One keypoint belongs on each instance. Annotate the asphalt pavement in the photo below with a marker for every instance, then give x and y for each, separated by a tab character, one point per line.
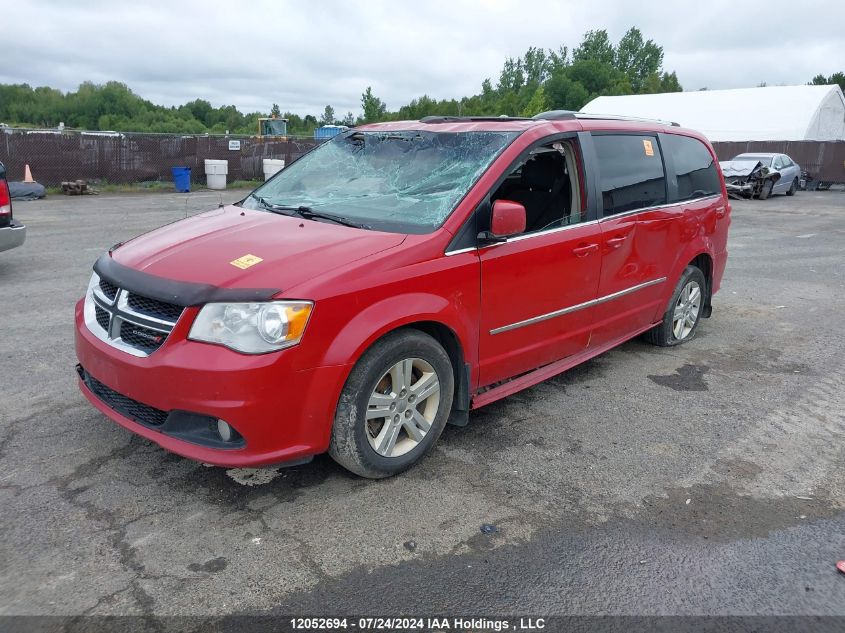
703	479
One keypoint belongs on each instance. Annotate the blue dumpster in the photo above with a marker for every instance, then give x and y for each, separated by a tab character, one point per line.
181	178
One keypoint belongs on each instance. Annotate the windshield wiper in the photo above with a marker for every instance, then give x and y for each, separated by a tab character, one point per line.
309	213
270	206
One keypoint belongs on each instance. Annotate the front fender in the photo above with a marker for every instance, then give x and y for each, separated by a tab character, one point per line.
394	312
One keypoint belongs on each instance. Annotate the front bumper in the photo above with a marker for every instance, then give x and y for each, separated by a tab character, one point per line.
283	413
12	236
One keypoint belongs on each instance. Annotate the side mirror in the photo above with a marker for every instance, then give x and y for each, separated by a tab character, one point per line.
508	219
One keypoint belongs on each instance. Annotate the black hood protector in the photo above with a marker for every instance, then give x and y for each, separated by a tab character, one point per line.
181	293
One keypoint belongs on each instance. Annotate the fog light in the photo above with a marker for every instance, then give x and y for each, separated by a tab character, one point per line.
224	430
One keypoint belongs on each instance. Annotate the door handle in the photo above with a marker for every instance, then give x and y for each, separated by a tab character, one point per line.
616	242
584	250
720	212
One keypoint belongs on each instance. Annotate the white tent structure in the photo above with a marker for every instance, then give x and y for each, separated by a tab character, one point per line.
777	113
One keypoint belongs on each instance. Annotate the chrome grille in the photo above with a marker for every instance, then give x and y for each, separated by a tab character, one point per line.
109	289
154	307
131	322
102	318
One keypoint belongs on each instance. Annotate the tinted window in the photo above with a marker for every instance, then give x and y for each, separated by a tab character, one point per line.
695	168
631	170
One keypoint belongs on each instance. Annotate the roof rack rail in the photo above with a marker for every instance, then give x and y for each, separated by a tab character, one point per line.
556	115
453	119
559	115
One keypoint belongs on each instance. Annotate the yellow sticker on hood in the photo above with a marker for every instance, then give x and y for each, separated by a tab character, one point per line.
246	261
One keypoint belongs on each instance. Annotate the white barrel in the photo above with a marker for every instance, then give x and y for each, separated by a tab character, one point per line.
216	172
272	166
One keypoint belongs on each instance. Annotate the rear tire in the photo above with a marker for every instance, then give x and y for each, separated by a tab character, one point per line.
394	405
793	188
683	314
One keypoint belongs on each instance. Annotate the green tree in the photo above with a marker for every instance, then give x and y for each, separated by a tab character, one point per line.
512	78
669	83
835	78
535	64
557	60
276	111
538	103
595	46
201	110
328	116
374	108
487	99
639	60
599	78
562	93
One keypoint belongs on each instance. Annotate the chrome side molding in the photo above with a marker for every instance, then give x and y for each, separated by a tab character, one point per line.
575	308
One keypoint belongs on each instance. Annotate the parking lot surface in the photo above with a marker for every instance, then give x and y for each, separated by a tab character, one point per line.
702	479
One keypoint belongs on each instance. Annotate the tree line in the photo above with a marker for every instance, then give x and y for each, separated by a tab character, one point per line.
538	80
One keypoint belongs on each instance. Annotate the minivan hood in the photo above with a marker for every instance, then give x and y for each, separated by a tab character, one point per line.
202	249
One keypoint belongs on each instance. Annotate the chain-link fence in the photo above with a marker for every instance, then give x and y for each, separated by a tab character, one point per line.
122	158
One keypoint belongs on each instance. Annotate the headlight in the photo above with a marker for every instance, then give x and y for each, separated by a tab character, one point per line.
252	328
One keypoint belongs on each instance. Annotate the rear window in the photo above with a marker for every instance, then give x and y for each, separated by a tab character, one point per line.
631	172
695	168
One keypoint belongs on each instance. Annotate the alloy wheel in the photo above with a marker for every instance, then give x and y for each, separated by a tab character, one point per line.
402	407
686	310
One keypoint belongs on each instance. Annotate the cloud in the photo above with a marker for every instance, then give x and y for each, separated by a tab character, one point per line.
304	56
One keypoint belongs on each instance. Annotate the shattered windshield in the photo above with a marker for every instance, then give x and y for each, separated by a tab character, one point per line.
394	181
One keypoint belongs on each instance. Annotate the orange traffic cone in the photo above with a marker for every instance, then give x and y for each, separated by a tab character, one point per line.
27	175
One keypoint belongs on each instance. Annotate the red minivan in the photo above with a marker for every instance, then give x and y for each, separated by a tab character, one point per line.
397	277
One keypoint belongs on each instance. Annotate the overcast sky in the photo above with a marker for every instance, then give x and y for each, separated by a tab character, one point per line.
303	55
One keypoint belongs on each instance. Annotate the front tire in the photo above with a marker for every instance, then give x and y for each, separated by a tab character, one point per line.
793	188
394	405
680	321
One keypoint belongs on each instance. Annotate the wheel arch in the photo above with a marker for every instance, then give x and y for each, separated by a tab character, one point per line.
434	315
704	262
447	337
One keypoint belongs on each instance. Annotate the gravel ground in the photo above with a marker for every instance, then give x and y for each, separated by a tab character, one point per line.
705	479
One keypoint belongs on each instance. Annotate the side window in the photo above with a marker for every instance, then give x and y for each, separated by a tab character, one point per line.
631	169
547	185
787	161
695	168
778	162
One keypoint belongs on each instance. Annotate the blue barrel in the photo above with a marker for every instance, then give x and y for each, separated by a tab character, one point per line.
181	178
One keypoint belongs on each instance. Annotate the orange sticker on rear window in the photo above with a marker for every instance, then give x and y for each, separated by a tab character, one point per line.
649	150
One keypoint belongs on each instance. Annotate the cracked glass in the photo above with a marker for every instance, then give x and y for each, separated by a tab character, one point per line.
407	181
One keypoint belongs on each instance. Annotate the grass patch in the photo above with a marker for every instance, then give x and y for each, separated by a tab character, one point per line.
245	184
103	186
